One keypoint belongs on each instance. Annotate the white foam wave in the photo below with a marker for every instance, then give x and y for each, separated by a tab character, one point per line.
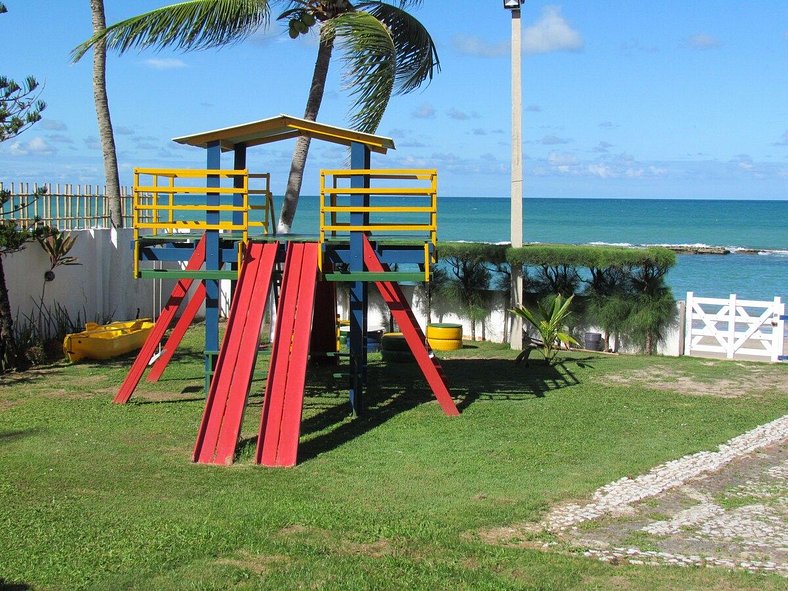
599	243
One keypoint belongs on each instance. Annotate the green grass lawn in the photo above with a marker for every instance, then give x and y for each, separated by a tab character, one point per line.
99	496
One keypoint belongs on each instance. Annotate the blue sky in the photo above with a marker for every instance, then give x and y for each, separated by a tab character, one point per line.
622	99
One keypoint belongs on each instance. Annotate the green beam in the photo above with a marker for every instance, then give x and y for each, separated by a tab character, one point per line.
182	274
370	276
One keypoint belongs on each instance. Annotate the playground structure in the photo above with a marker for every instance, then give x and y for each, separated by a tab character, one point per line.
209	229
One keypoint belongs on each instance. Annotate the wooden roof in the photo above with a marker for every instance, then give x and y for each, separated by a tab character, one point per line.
284	127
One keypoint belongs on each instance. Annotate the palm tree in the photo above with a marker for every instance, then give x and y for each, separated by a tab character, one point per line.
102	115
387	51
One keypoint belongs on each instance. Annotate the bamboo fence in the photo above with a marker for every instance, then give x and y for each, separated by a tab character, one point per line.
66	207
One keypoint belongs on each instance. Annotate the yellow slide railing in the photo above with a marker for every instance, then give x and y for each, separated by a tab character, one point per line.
168	201
403	203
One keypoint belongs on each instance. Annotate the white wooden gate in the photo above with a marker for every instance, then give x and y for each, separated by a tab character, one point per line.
731	327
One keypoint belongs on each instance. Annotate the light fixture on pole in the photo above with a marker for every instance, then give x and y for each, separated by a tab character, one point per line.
516	228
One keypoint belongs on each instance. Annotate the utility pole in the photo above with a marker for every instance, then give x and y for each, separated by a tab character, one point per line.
516	218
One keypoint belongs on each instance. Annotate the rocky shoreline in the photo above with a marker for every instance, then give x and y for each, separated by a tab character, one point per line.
691	249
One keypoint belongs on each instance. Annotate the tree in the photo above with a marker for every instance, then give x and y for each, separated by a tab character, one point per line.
103	117
387	51
467	286
654	306
20	108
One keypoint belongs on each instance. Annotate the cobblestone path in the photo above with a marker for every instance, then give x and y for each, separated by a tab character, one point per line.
727	508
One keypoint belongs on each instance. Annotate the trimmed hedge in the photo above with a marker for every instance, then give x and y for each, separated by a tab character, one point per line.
575	255
591	256
474	251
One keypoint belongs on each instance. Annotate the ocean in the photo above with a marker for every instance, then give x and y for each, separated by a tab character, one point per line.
756	233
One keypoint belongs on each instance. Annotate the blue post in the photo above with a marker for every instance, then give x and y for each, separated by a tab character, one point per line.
212	263
239	163
359	159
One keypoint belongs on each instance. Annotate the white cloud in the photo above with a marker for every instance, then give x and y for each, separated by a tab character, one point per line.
60	138
553	140
472	45
743	162
561	158
458	115
425	111
634	46
92	143
52	125
602	171
551	33
783	141
37	146
603	147
605	166
703	41
165	63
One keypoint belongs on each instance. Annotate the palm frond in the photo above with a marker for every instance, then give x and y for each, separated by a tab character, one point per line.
417	57
194	24
370	57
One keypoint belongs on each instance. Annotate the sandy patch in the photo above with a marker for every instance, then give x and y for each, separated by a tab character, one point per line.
752	380
256	563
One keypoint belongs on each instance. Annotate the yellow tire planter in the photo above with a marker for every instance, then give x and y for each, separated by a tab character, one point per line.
445	344
394	348
452	332
444	337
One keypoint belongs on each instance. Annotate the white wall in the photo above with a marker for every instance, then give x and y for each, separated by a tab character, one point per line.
492	328
100	287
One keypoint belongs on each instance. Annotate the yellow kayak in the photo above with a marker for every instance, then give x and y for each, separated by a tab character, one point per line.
103	341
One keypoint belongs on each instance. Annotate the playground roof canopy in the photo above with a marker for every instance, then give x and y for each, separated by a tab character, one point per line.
283	127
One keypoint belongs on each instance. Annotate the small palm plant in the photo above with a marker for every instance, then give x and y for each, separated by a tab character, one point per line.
550	323
57	247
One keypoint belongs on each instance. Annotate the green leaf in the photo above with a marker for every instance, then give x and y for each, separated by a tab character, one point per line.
194	24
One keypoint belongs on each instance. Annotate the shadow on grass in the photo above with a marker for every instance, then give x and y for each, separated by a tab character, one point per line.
389	392
396	388
8	436
501	379
7	586
142	400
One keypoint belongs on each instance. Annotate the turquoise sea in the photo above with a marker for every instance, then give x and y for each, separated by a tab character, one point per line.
760	226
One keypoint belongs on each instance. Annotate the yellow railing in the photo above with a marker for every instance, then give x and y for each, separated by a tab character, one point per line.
267	205
171	201
403	203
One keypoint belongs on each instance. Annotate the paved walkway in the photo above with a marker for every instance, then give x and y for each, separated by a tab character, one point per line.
723	508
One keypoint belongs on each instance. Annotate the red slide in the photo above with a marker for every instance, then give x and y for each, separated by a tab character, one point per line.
280	426
224	407
177	296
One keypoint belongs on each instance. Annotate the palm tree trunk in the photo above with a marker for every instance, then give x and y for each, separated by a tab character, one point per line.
301	151
102	114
